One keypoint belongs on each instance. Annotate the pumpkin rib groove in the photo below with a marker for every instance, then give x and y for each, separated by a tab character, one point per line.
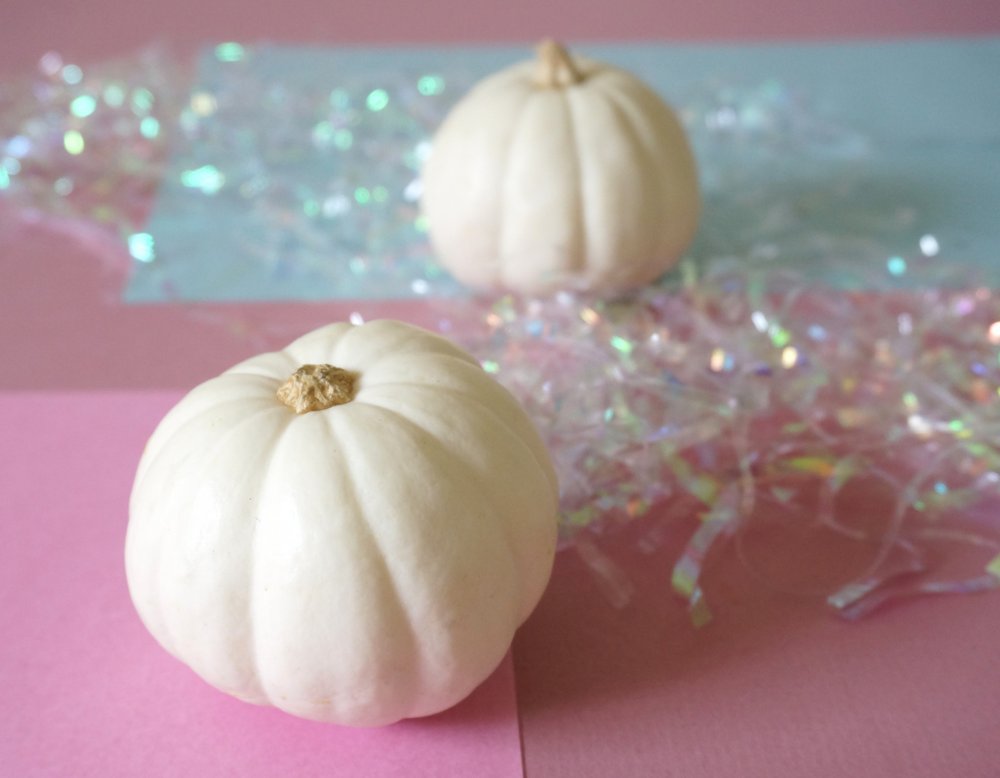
344	341
424	357
578	259
644	141
477	478
213	455
630	122
470	396
315	342
169	434
162	438
258	367
540	457
390	350
272	449
517	128
402	613
646	158
183	426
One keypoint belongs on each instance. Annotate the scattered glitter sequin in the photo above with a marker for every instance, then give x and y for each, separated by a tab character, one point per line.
377	100
142	101
622	345
72	74
149	127
74	147
63	186
229	52
780	337
430	85
929	246
114	95
50	64
83	106
203	103
896	265
207	179
141	247
73	142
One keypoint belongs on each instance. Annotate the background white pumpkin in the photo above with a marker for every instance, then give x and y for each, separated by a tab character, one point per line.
563	173
357	564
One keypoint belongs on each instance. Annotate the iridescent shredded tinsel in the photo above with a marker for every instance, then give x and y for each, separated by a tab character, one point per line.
90	144
740	391
755	400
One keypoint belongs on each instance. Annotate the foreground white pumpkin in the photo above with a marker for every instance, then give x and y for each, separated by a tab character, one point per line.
561	174
359	563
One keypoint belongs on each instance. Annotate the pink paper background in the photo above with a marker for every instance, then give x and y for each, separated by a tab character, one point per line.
773	687
87	692
91	30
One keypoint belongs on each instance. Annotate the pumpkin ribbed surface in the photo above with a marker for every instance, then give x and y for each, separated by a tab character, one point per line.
584	183
358	564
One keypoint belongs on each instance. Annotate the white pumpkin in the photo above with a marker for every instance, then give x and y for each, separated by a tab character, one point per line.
358	563
564	173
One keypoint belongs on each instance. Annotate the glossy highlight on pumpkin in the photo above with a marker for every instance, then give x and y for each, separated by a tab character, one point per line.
359	563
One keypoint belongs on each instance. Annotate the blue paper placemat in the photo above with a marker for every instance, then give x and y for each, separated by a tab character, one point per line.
295	174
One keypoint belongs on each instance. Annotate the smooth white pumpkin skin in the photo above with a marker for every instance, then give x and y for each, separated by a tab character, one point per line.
588	187
361	564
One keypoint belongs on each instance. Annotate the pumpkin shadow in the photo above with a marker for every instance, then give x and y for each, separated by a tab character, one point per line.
490	706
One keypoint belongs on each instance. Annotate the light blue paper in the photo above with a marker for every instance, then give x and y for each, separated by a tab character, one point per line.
842	157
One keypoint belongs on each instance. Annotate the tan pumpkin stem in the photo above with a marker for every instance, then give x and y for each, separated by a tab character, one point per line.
317	387
555	67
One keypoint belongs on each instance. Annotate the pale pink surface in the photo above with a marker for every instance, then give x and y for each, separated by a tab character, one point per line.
775	686
95	29
62	325
86	690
